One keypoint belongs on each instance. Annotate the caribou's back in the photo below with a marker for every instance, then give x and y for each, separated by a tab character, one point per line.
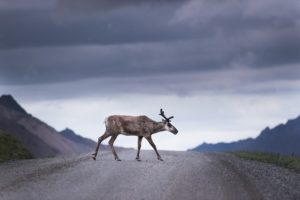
129	125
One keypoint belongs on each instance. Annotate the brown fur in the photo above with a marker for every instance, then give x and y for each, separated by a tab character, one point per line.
141	126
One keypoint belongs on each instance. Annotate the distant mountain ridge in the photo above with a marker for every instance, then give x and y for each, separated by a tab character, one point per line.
283	139
38	137
71	135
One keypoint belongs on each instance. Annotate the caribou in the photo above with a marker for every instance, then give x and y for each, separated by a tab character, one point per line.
140	126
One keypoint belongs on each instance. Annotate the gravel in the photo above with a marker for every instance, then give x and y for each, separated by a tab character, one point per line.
182	175
271	181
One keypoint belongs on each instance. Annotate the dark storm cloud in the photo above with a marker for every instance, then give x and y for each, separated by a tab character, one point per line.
36	29
72	40
53	26
74	63
221	82
104	5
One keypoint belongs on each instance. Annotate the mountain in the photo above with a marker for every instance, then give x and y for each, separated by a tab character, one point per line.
9	102
71	135
283	139
35	135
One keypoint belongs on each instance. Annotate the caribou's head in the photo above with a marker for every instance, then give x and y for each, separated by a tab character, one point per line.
167	122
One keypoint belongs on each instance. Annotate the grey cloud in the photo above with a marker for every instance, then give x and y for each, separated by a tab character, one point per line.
275	47
51	27
273	81
28	5
63	64
174	21
144	39
104	5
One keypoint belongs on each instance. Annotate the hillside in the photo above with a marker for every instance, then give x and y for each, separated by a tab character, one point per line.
11	149
283	139
35	135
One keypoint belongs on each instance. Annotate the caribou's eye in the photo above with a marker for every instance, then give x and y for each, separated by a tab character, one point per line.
169	125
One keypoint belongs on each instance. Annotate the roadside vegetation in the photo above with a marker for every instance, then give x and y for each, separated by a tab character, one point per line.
290	162
11	149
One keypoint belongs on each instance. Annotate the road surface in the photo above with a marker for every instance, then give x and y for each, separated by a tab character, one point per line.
182	176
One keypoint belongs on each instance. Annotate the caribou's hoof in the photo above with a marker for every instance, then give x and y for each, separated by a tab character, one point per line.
117	159
160	159
94	158
137	159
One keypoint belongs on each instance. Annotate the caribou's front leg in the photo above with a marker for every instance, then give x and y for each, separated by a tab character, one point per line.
139	148
154	147
111	144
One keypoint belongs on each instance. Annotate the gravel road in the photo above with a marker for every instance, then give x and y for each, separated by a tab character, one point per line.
182	175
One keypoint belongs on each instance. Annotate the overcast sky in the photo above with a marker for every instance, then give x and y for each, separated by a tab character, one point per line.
225	69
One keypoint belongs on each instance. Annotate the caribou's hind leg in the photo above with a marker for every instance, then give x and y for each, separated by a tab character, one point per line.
100	139
139	148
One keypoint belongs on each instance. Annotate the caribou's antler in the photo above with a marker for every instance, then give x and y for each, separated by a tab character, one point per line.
162	113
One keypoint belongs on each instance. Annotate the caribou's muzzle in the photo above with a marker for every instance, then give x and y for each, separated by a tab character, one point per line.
174	131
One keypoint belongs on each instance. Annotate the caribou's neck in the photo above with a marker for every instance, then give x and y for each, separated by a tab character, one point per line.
158	127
